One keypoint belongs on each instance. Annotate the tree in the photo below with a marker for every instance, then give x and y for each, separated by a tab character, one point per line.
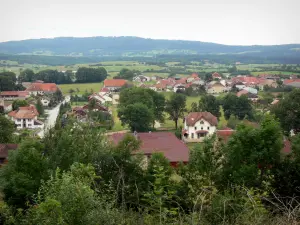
138	116
40	107
7	128
127	74
237	106
208	77
176	107
26	76
288	112
8	81
22	176
19	103
251	153
209	103
86	75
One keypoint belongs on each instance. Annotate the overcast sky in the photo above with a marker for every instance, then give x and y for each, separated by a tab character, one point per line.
241	22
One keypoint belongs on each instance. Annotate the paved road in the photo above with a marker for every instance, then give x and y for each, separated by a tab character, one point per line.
52	116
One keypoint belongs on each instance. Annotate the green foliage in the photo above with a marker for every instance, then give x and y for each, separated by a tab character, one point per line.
39	107
8	82
7	128
237	106
89	75
209	103
176	107
138	116
233	122
21	177
288	111
26	76
127	74
19	103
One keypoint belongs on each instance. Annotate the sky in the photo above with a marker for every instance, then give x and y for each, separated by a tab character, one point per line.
233	22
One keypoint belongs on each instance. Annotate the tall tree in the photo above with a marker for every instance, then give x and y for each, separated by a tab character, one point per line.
40	107
138	116
176	107
27	76
7	128
8	81
85	75
22	176
288	111
210	104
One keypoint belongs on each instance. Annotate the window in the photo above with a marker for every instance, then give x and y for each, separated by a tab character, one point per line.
201	128
195	128
29	125
207	128
29	120
201	122
192	135
19	120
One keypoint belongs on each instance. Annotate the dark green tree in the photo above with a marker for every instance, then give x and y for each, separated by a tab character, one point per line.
27	76
176	107
138	116
7	128
85	75
19	103
22	176
39	107
8	81
210	103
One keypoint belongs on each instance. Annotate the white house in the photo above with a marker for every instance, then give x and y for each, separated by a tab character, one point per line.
198	125
26	117
141	78
179	87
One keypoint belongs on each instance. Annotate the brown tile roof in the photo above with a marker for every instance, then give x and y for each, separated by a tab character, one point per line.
4	148
216	75
15	93
165	142
225	134
193	117
26	112
46	87
114	82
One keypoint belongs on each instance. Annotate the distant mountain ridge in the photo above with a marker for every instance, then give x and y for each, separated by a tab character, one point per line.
136	46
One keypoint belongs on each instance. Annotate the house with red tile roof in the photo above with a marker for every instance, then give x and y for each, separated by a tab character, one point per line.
216	75
26	117
42	88
246	80
158	142
292	82
198	125
114	84
13	95
192	77
224	134
216	87
4	150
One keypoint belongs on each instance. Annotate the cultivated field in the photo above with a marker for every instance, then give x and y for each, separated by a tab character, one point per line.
80	88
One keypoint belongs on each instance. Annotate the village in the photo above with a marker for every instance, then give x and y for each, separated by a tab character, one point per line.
195	128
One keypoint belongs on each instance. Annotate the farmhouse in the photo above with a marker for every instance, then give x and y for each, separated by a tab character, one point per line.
216	75
42	88
26	117
4	150
198	125
13	95
158	142
216	87
114	84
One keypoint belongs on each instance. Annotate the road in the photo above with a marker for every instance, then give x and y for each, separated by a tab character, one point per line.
52	116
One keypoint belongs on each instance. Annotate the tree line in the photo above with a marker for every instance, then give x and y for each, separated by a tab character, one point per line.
82	75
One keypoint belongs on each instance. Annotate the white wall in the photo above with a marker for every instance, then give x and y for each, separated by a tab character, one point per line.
205	126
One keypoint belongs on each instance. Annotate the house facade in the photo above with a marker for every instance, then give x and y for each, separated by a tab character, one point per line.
216	88
198	125
42	88
26	117
141	78
14	95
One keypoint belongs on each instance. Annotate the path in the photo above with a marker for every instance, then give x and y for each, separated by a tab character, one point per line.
52	116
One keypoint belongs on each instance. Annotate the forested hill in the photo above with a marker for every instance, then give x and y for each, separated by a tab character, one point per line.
135	46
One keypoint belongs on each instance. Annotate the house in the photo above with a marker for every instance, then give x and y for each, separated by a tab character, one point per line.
198	125
250	96
292	83
251	90
26	117
141	78
4	150
5	106
99	98
246	80
13	95
225	134
97	107
267	82
192	77
42	88
179	88
114	84
216	87
158	142
216	75
242	92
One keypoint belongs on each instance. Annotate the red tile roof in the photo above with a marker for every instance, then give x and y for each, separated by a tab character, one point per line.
246	80
216	75
15	93
4	148
225	134
26	112
46	87
104	89
114	82
288	81
193	117
165	142
194	75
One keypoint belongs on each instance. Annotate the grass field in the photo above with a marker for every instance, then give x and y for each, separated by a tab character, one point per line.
274	72
81	87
